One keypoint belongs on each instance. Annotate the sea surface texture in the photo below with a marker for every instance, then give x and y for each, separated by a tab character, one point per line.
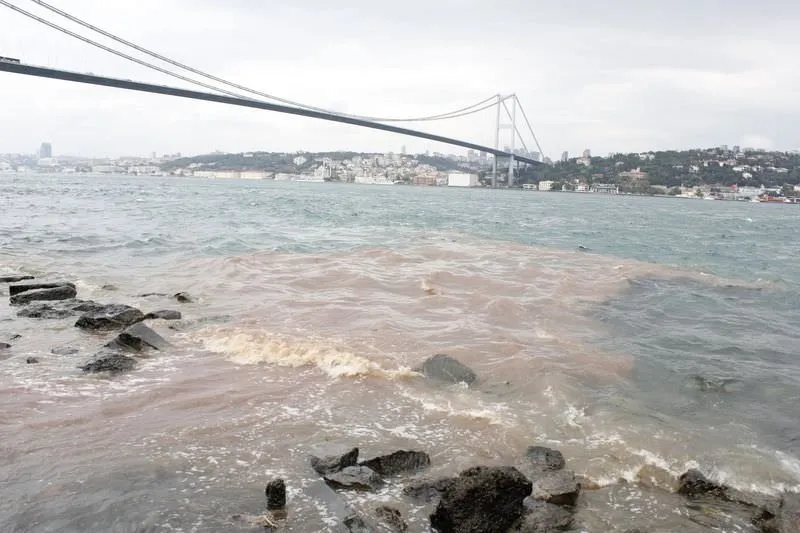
627	332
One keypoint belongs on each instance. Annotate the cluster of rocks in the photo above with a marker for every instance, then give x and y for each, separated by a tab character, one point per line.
538	495
59	300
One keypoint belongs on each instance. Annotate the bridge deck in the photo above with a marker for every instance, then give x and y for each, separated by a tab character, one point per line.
42	72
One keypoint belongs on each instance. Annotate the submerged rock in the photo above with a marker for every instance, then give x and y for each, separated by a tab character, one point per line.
13	290
543	517
354	523
355	478
64	350
164	315
108	361
482	500
276	494
334	463
14	279
559	488
136	338
445	368
64	292
544	459
31	360
391	518
183	298
4	346
788	520
398	462
58	309
107	317
427	491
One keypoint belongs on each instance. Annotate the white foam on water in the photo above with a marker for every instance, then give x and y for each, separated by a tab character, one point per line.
248	347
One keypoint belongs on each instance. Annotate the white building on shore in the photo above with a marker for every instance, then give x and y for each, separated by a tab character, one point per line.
462	179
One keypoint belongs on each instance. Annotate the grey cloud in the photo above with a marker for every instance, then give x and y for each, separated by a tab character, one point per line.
619	76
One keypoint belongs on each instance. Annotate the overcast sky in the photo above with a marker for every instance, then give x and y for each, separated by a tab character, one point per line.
619	75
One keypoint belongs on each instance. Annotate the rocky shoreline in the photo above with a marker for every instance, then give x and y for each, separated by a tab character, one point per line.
537	494
58	300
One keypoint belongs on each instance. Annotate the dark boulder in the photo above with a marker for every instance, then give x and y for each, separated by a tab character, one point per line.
14	279
398	462
543	517
445	368
64	292
354	478
559	488
136	338
334	463
427	491
693	484
4	346
108	317
544	459
183	298
13	290
276	494
164	315
108	361
482	500
31	360
391	518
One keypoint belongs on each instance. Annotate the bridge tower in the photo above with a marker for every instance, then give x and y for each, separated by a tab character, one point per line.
510	125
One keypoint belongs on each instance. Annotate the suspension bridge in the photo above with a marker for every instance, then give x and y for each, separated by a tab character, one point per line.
233	95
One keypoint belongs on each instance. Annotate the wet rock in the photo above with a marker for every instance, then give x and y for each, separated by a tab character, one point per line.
163	315
57	309
108	361
559	488
31	360
64	350
354	478
427	491
334	463
64	292
544	459
109	287
13	290
543	517
276	494
183	298
113	316
693	484
136	338
445	368
14	279
391	518
398	462
482	500
4	346
14	337
149	294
